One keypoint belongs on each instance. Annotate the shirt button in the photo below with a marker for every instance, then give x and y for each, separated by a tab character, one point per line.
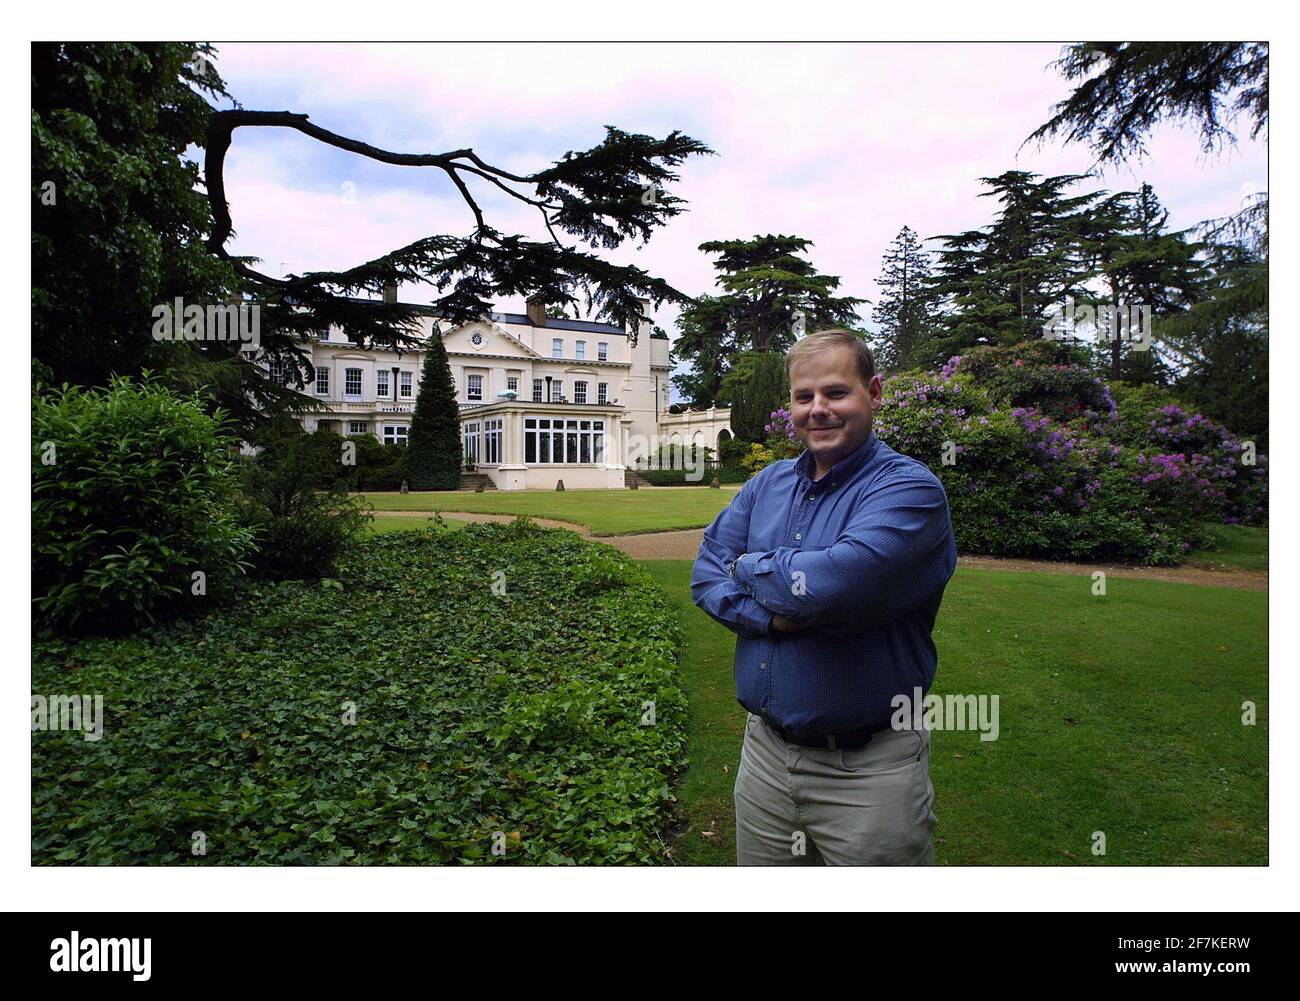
763	666
798	535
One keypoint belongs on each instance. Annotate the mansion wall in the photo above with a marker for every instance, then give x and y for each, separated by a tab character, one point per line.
556	369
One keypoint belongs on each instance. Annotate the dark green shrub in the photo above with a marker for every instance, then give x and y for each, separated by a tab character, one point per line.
133	493
378	466
295	497
731	451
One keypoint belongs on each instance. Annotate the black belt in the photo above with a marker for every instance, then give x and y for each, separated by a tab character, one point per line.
847	740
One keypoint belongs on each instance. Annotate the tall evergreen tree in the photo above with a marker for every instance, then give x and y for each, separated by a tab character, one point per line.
1141	264
1220	344
769	294
999	283
904	313
1124	90
434	435
760	387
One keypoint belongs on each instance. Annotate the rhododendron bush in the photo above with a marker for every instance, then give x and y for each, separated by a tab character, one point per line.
1040	458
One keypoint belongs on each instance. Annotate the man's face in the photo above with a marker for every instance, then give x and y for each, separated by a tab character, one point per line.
830	407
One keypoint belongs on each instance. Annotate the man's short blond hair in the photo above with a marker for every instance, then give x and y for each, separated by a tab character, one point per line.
834	338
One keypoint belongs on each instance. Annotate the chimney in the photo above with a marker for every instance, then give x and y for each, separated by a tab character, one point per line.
537	311
390	293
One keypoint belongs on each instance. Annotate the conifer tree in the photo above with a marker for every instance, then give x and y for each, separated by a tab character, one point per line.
770	295
434	436
1141	264
903	313
999	283
760	386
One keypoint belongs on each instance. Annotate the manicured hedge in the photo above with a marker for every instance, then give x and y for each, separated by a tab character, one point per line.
679	477
475	712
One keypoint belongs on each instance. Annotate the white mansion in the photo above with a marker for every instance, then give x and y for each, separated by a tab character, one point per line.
541	399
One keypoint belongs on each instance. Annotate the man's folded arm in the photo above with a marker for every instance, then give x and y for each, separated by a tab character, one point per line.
712	588
891	557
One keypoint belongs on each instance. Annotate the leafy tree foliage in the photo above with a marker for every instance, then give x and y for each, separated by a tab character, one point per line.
1220	343
1129	87
120	225
997	283
769	295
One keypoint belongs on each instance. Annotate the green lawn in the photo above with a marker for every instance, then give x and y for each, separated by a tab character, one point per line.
1237	547
402	522
1119	714
650	509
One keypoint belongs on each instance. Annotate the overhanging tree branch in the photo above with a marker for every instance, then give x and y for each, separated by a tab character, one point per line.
602	196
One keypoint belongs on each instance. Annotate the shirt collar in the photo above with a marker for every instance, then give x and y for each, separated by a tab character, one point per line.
840	471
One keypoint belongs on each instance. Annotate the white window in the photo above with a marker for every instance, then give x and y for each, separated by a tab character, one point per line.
394	434
563	439
538	390
580	391
602	351
492	440
512	383
357	427
557	347
557	391
352	382
408	381
322	382
474	387
279	371
381	382
602	392
470	442
580	349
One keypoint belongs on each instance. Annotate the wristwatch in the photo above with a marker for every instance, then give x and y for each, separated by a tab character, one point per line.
731	567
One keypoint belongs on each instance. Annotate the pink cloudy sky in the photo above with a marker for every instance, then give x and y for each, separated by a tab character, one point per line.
840	143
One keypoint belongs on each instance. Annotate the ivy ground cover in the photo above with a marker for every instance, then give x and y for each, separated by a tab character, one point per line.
500	694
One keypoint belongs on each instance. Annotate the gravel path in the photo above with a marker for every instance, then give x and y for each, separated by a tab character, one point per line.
685	545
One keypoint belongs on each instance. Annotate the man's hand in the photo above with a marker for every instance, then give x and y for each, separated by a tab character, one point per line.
785	625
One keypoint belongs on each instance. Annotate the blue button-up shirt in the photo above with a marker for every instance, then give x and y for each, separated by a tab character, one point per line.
862	555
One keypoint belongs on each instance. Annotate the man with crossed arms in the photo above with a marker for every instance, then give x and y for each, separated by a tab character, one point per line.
830	569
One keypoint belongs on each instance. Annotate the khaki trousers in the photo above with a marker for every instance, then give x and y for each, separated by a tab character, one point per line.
871	805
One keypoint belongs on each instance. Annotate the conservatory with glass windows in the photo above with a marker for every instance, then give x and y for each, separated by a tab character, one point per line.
531	446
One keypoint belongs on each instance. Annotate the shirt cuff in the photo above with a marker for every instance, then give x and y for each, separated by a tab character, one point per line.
744	574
